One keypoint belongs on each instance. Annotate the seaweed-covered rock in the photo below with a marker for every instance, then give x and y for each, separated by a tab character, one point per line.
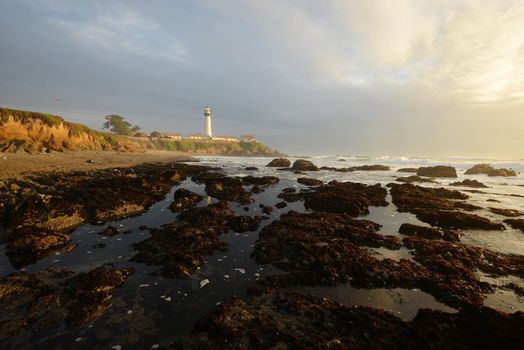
45	300
280	163
260	181
26	246
228	188
516	223
110	231
407	170
309	181
286	320
374	167
245	223
412	198
457	220
184	199
437	171
506	212
345	197
415	178
178	248
469	183
428	232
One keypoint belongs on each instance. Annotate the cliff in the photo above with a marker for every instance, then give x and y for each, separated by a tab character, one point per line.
33	132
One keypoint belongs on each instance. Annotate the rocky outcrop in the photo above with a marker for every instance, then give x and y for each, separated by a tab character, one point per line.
516	223
184	199
326	249
407	170
245	223
179	248
228	188
280	163
429	232
415	178
457	220
489	170
304	165
469	183
506	212
39	211
47	300
294	321
437	171
440	207
29	245
375	167
309	181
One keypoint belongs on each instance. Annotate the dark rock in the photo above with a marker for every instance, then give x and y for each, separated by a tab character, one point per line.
489	170
345	197
479	169
280	163
502	172
415	178
257	189
429	232
245	223
407	170
437	171
266	209
281	205
184	199
506	212
375	167
469	183
309	181
25	246
251	168
44	301
260	181
142	227
342	160
457	220
178	248
516	223
110	231
228	188
412	198
284	320
99	245
304	165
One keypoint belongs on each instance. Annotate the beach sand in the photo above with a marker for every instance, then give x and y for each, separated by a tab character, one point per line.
20	165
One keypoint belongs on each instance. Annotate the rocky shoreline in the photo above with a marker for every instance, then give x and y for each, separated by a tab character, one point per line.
327	243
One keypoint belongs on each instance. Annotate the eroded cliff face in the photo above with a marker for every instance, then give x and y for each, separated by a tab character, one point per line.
33	135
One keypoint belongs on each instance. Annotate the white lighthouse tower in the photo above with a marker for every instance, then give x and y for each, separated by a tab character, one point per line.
207	117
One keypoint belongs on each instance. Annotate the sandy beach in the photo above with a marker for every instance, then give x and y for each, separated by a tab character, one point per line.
20	165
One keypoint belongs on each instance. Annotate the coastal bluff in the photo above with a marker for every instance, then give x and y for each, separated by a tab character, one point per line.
34	132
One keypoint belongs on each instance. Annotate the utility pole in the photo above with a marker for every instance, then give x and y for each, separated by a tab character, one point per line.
57	100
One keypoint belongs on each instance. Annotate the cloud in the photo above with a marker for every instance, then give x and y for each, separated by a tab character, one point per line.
119	29
473	50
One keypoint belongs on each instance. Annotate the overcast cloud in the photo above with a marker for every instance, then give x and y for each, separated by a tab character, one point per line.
352	77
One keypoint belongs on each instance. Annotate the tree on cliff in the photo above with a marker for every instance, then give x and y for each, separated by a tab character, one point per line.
119	125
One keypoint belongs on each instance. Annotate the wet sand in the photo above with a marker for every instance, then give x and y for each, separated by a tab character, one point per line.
20	165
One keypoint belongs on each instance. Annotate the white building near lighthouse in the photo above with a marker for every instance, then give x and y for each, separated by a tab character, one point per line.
207	125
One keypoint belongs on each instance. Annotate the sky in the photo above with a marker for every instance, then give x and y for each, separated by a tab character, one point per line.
390	77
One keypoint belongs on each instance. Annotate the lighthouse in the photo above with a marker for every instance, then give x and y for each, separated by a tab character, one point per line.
207	118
